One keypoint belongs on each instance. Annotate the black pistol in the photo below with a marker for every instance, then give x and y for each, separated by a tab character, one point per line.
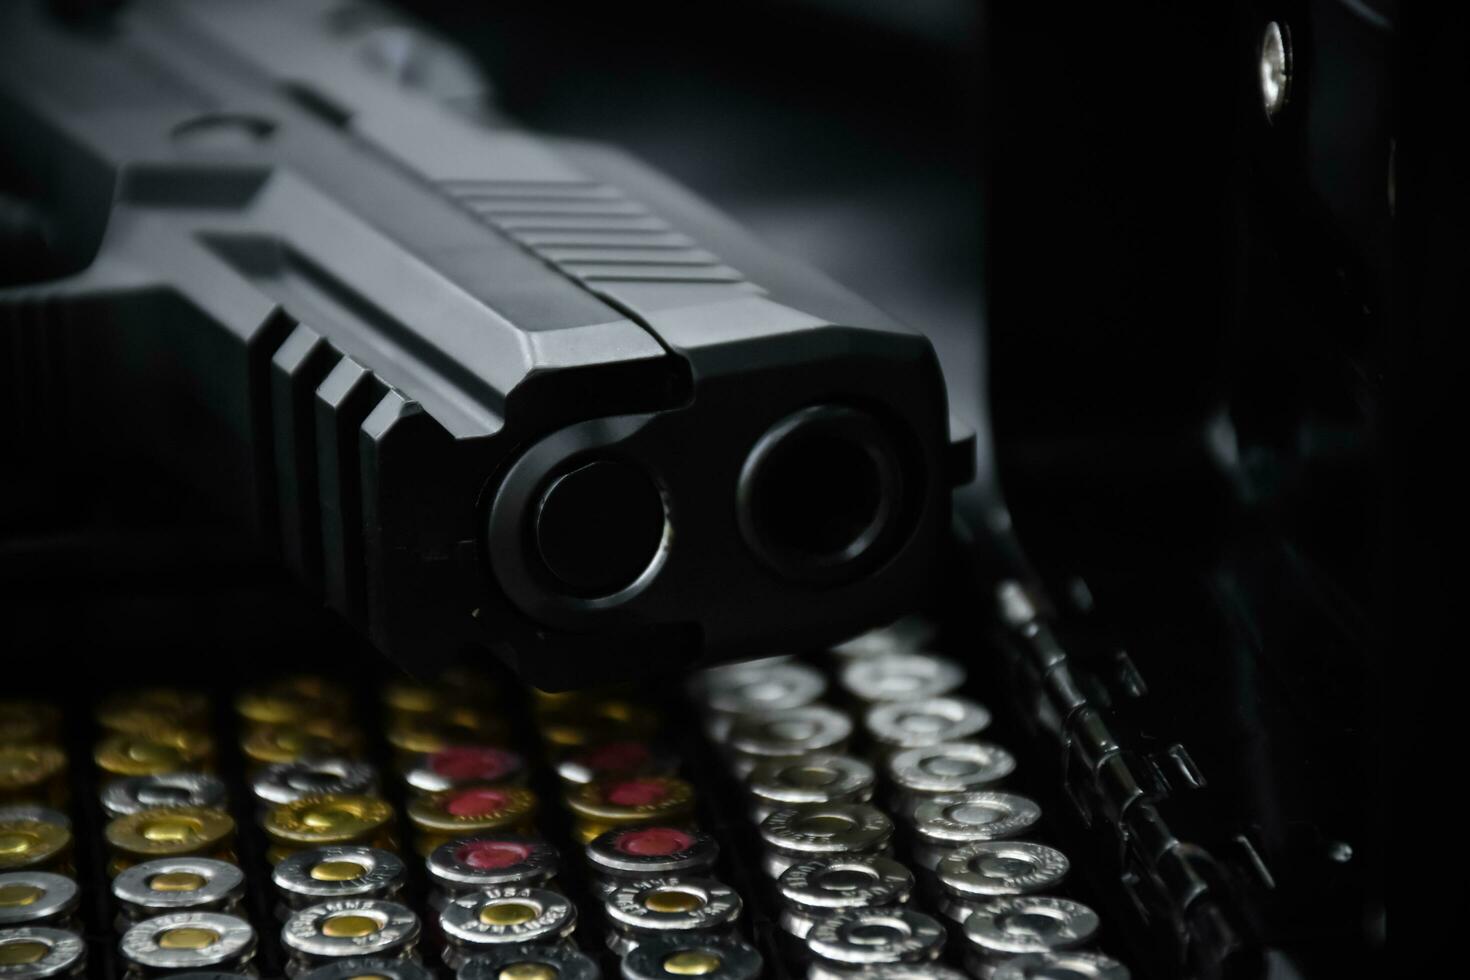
474	386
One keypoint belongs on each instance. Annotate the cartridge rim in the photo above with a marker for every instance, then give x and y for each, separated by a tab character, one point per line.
28	721
389	968
926	721
819	778
196	883
595	721
908	971
901	677
652	850
131	794
734	959
950	767
418	735
175	831
790	732
456	766
1089	966
202	939
493	859
636	800
562	963
760	686
1030	924
672	903
830	884
620	759
301	880
26	844
410	697
36	897
904	635
504	914
318	820
964	818
26	765
308	931
989	869
469	809
285	782
36	812
161	751
846	938
146	710
311	738
292	701
837	828
62	952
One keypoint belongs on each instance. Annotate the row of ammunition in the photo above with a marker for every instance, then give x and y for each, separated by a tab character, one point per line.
338	870
893	730
900	733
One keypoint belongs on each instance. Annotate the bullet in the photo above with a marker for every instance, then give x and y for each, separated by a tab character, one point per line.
977	872
460	766
732	691
897	971
28	722
37	898
32	773
814	779
348	927
814	890
910	633
319	821
942	824
630	854
795	834
504	915
416	736
711	957
897	725
1002	928
168	885
530	962
1074	964
581	723
34	811
120	754
947	769
456	813
316	738
352	968
39	952
131	794
865	937
184	941
287	782
148	710
467	864
408	697
602	806
626	759
787	733
169	832
901	677
668	905
336	871
28	844
292	701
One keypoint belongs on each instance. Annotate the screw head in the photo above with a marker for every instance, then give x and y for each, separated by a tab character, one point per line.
1275	69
